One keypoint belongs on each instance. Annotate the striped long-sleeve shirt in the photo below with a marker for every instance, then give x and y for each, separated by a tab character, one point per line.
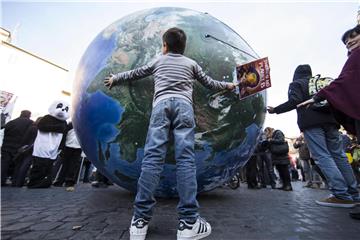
174	75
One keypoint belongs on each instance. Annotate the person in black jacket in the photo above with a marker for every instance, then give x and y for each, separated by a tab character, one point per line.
322	136
23	157
13	134
279	149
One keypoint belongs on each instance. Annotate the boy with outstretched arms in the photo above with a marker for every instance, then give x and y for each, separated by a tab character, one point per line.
174	75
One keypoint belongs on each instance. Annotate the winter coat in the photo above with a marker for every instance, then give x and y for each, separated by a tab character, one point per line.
14	133
50	137
304	153
279	149
299	92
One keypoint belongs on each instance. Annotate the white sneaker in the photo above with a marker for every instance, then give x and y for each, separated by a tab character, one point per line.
198	230
138	229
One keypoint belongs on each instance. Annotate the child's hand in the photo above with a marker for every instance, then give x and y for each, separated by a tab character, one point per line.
109	81
231	86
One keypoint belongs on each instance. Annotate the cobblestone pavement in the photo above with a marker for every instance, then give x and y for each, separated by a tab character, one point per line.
104	213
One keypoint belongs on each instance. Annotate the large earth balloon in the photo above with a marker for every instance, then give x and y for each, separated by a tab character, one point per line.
112	125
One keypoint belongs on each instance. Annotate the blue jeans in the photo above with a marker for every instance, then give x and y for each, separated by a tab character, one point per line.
170	116
325	145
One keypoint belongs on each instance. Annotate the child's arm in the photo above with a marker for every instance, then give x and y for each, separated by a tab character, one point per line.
141	72
209	82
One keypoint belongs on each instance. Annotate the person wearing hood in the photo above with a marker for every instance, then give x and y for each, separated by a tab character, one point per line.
324	141
343	92
279	149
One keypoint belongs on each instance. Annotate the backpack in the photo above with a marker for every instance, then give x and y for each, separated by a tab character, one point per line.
316	83
279	148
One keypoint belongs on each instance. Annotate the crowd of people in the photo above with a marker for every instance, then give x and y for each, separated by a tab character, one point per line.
322	155
272	150
270	165
62	162
277	167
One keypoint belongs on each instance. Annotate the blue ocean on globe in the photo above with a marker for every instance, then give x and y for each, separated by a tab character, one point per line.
112	125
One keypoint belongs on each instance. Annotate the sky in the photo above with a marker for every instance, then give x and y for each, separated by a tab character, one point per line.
289	33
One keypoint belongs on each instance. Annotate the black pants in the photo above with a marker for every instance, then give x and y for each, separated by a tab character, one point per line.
41	173
284	173
101	178
71	160
294	173
21	169
86	166
7	164
252	172
266	169
356	166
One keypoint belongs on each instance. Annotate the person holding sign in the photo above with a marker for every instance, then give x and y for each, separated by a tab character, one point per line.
172	113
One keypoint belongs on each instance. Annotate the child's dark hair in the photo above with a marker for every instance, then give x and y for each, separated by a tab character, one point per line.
175	39
349	33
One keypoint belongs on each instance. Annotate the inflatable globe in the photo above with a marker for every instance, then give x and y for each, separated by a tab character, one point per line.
112	125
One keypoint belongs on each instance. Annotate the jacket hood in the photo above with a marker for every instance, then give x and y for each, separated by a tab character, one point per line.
302	71
278	135
25	114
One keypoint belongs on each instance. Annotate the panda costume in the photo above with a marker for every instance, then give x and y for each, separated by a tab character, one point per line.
71	160
50	138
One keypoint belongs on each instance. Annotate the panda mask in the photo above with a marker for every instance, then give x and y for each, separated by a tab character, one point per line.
59	109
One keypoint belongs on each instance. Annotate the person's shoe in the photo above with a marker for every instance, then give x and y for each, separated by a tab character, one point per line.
357	201
197	230
138	229
287	188
316	185
69	184
273	186
355	215
70	189
98	184
251	186
333	201
95	184
57	184
308	185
